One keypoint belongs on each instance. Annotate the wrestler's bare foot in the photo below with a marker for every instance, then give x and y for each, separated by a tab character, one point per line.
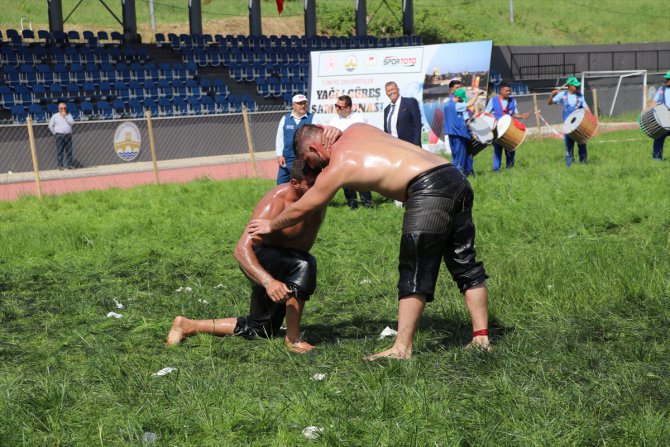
299	347
176	334
480	343
391	353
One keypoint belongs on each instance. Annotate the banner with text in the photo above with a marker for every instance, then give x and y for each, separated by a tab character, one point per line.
422	72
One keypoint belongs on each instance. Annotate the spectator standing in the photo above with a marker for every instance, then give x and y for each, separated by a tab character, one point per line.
345	118
289	123
402	118
60	126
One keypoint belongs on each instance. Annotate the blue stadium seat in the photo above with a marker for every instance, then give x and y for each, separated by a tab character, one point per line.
72	90
39	93
52	108
208	105
118	108
135	108
74	110
160	40
221	104
194	106
87	111
73	36
19	114
152	106
23	94
164	89
165	107
44	36
180	106
103	37
56	93
105	89
104	110
116	38
89	91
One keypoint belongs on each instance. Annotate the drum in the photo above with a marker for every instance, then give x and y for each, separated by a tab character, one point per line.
655	122
581	126
481	130
509	135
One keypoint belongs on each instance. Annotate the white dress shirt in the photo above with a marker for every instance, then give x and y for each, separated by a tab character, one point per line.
59	124
343	123
394	118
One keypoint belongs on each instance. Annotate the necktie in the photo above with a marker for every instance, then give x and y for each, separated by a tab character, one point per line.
390	118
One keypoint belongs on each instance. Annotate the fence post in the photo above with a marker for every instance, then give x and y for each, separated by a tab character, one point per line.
147	114
537	115
33	152
250	142
595	102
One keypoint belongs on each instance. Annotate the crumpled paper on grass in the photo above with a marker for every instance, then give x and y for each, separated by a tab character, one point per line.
388	332
114	315
164	371
312	432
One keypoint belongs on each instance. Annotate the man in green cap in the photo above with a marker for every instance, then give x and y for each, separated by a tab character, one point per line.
455	130
571	100
662	97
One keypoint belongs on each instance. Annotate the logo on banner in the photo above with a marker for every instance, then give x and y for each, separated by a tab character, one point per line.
371	62
399	61
331	64
127	141
350	63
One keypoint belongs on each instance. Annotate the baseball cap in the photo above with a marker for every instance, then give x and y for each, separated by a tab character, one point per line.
461	94
573	81
667	75
299	98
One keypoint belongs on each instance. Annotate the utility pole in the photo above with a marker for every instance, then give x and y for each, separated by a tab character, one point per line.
511	11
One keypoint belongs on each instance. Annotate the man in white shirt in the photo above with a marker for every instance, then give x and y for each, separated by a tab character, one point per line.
345	118
289	123
60	125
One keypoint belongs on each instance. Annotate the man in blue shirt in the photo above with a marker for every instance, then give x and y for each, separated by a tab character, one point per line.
500	105
662	97
571	100
285	131
455	129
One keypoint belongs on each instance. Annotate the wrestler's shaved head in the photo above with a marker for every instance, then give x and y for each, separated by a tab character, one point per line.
304	136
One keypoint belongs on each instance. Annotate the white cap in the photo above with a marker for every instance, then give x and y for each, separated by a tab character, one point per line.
299	98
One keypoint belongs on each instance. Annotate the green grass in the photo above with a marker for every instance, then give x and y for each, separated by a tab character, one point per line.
536	22
579	289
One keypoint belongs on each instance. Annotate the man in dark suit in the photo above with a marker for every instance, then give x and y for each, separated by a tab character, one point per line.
402	118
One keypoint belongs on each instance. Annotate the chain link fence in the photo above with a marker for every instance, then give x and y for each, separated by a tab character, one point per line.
98	143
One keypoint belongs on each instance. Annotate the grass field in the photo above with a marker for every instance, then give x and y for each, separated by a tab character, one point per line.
579	261
536	22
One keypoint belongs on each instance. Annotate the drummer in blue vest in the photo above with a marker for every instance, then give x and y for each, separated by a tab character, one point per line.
571	100
662	97
500	105
455	129
285	131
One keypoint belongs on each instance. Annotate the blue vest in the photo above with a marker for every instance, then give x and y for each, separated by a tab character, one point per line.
454	125
290	127
567	108
661	94
498	111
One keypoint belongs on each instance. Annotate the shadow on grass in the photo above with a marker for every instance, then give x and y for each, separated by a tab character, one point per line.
438	331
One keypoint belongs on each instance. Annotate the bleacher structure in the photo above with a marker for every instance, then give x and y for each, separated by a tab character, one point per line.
100	77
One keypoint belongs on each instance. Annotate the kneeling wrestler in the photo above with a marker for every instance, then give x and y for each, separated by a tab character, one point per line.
282	272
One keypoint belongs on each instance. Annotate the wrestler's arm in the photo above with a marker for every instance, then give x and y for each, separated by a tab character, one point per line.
318	196
246	257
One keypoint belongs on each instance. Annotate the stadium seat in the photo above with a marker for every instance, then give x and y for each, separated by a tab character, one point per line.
165	107
105	90
135	108
152	106
87	111
37	113
19	114
208	105
39	93
118	108
56	93
160	40
74	110
104	110
44	36
221	104
194	106
180	106
89	91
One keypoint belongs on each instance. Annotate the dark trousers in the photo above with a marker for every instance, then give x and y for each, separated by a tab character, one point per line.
64	150
352	198
658	147
497	157
570	151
